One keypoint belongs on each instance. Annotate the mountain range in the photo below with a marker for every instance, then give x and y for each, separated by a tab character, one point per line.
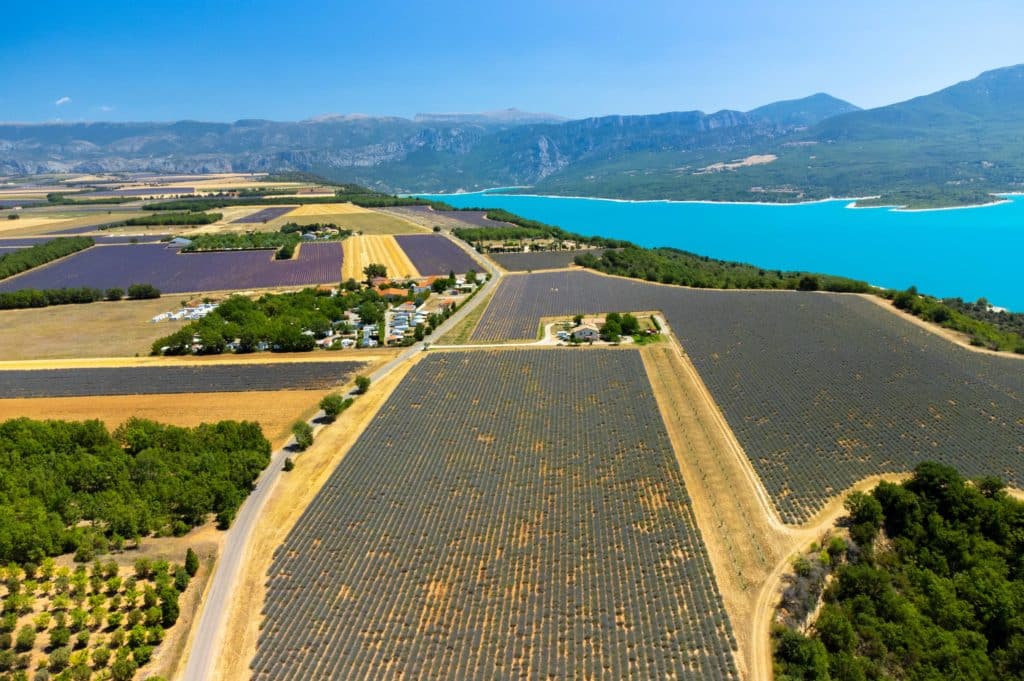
949	147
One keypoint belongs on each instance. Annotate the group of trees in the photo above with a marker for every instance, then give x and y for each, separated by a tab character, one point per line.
277	322
941	598
673	266
994	330
75	487
521	229
29	297
283	241
174	219
616	325
95	623
40	254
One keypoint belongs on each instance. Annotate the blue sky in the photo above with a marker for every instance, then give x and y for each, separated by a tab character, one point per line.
156	60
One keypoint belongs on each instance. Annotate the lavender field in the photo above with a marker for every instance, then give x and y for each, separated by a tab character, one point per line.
173	272
435	254
822	390
264	215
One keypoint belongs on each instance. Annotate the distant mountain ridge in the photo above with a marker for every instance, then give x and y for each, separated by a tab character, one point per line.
961	142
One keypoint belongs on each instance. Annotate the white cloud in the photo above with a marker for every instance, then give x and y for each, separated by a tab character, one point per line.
62	101
105	108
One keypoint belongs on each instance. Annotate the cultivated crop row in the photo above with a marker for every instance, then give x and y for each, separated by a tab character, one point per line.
822	390
506	515
151	380
435	254
173	272
540	260
265	215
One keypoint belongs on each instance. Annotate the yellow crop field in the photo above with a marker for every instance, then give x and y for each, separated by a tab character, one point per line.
275	411
320	209
27	223
362	250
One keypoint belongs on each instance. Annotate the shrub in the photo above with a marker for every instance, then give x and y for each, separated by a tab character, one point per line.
26	639
143	291
289	465
303	433
334	404
362	384
113	294
191	562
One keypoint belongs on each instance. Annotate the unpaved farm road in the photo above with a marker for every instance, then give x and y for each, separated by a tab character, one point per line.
208	632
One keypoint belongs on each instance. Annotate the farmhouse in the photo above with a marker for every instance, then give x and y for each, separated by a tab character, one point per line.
585	332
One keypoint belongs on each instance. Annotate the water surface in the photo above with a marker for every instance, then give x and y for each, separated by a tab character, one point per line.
970	253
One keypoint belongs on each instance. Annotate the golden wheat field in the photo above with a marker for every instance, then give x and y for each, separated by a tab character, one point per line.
364	249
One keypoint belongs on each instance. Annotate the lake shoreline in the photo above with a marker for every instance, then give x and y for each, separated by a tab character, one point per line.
819	236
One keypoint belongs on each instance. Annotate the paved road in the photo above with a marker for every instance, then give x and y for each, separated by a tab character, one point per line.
208	631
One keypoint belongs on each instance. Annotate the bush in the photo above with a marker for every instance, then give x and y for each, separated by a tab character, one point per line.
26	639
143	291
123	669
362	384
58	660
113	294
303	433
334	404
191	563
289	465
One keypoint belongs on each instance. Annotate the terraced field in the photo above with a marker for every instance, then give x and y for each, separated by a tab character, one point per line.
512	531
821	390
198	378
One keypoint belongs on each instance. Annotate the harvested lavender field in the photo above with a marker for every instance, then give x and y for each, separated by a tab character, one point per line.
540	260
264	215
173	272
822	390
523	534
175	379
435	254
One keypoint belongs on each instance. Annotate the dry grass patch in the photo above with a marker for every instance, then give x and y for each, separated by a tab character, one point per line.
102	329
275	411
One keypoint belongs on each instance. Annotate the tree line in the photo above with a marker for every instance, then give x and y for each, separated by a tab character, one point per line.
76	487
32	298
993	330
174	218
673	266
40	254
929	586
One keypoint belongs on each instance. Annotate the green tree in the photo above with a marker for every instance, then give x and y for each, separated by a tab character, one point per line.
373	271
362	384
191	562
289	465
807	283
113	294
303	434
26	639
333	405
865	517
123	669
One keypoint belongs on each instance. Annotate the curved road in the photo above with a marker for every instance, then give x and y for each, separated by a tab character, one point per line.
208	631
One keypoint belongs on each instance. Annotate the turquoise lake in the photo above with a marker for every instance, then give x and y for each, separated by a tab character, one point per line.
970	253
